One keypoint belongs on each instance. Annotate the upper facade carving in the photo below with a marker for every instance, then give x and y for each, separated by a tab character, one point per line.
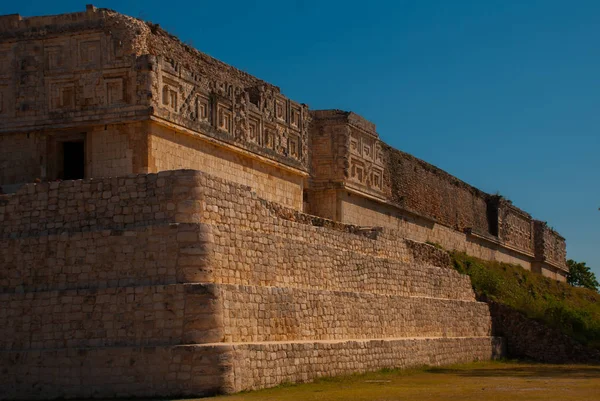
354	151
257	118
66	77
103	67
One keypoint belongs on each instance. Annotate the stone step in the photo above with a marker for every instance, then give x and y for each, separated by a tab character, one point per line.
201	313
201	370
254	313
119	316
253	258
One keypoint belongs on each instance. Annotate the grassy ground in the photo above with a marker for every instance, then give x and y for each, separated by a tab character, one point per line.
574	311
482	381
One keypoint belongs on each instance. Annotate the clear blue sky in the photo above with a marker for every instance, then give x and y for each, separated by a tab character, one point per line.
503	94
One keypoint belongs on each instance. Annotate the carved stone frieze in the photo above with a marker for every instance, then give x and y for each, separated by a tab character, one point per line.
257	117
366	164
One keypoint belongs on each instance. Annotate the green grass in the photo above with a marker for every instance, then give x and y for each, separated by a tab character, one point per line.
574	311
499	381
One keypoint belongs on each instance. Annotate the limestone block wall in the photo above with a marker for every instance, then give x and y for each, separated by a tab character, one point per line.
149	315
265	365
429	191
114	372
329	146
90	205
256	314
110	150
116	150
104	258
529	339
274	260
181	274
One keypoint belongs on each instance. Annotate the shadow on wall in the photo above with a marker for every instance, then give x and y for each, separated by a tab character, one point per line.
531	340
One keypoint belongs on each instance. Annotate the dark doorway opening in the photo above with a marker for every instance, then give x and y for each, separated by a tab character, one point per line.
73	160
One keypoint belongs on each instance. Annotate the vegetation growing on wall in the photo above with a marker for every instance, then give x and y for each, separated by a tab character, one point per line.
573	311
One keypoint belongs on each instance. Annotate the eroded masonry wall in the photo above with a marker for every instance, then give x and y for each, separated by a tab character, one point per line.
185	275
362	211
420	187
358	179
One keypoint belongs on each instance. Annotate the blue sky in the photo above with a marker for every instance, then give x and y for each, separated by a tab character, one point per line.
503	94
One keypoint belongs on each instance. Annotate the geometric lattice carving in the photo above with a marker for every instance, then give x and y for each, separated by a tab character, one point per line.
170	97
366	160
54	57
114	91
203	108
254	130
280	109
62	96
295	117
357	169
376	178
294	146
90	52
269	134
225	118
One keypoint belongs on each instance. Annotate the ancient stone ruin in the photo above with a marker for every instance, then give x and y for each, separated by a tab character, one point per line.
171	225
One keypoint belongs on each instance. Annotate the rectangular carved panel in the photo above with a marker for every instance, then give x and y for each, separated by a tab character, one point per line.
269	135
115	91
90	53
203	108
254	130
62	96
295	117
366	161
55	57
224	118
294	149
280	109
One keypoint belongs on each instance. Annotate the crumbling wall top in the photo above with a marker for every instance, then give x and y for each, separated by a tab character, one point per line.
138	38
347	117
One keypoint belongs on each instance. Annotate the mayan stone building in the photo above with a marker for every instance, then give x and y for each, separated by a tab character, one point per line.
170	225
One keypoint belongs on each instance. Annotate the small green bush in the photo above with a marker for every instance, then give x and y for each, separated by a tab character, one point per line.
573	311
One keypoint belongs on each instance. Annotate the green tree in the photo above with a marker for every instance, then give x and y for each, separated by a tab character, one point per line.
580	275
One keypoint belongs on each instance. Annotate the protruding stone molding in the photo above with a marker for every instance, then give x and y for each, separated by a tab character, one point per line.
499	243
252	152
